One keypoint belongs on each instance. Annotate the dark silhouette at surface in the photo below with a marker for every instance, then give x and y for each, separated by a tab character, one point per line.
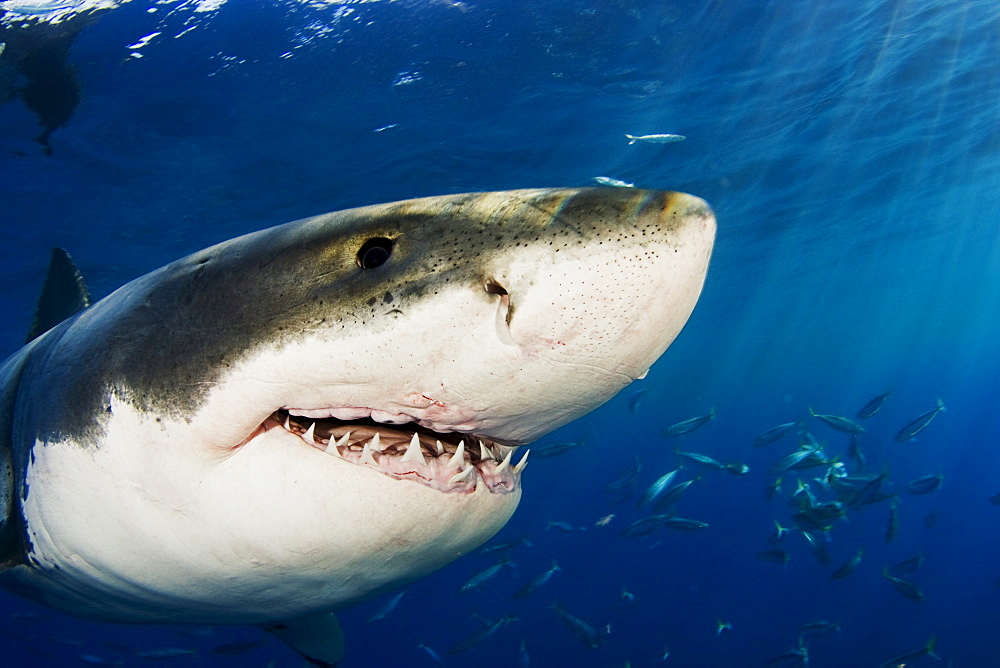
35	66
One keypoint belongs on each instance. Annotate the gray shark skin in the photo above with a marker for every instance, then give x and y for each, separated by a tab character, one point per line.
298	419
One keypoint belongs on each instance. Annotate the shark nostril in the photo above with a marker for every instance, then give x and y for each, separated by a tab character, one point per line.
495	288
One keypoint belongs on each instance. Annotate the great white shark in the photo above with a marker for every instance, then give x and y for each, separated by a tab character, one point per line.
301	418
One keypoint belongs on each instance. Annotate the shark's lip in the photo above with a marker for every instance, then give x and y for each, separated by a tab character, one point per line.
450	462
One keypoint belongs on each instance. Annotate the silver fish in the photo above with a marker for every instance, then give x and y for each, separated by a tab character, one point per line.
839	423
504	547
910	431
537	581
925	485
482	576
655	139
848	568
657	489
902	659
386	609
904	587
584	632
684	524
873	406
435	657
703	460
774	433
687	426
481	635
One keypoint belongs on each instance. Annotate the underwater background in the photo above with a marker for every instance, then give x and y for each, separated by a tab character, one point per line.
851	152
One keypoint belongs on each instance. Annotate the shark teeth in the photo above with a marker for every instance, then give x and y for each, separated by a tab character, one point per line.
505	463
413	453
462	476
521	464
484	452
441	460
334	447
366	453
459	456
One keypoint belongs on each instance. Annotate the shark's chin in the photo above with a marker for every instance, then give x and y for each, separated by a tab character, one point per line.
448	462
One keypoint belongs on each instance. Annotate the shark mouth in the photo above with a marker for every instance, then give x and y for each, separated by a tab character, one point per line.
449	462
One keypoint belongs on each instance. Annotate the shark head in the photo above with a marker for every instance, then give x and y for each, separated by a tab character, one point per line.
300	418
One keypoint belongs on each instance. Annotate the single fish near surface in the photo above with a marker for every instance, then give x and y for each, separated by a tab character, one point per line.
614	183
873	406
655	139
848	567
604	521
537	581
925	485
774	433
722	627
910	431
210	361
689	425
837	422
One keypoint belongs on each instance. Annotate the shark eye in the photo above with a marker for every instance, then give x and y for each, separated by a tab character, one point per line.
374	252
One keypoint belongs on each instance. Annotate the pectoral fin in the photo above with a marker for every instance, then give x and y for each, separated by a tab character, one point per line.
318	639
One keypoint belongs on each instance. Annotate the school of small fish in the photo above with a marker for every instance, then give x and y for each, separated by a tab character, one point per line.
822	485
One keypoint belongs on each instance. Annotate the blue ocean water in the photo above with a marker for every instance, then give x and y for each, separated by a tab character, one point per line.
851	152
